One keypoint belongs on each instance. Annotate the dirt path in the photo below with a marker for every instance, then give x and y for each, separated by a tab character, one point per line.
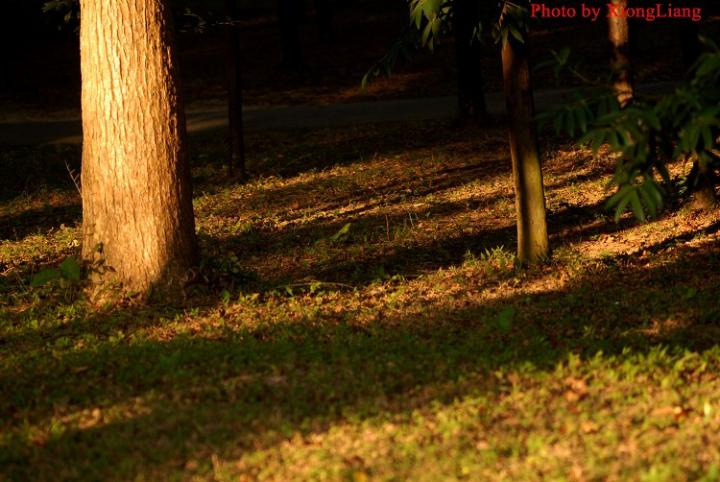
69	131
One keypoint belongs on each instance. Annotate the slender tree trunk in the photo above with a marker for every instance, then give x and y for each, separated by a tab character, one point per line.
289	12
619	35
471	98
236	138
137	200
533	243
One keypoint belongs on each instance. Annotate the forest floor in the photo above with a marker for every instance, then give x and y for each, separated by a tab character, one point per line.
359	316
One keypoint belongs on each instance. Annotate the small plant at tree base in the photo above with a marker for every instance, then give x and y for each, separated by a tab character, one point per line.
69	272
495	260
68	276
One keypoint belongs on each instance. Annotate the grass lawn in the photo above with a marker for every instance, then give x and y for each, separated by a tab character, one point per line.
358	316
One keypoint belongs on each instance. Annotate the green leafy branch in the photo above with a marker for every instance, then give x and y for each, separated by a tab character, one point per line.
400	51
69	8
69	270
647	135
512	22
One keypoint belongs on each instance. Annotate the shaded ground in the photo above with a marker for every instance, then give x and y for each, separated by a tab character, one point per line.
45	78
359	317
39	131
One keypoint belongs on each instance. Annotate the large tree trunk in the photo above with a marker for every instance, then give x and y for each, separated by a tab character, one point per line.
137	200
236	138
533	243
619	35
471	98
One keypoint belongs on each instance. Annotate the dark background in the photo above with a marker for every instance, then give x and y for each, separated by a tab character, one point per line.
41	55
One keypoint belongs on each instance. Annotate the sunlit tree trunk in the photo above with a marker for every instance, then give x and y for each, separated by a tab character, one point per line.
136	194
619	35
471	98
533	243
236	138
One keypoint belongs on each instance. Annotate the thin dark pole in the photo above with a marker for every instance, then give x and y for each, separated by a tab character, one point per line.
236	139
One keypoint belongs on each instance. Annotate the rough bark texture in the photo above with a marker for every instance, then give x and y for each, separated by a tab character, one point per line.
137	200
533	243
236	139
619	35
471	98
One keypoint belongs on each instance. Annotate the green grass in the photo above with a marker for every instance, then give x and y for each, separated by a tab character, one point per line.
406	347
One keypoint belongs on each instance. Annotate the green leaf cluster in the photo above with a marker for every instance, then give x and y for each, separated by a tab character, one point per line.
401	50
342	234
513	23
69	8
431	18
70	270
648	134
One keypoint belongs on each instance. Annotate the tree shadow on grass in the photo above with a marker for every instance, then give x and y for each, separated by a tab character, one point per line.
27	170
38	221
370	248
357	271
289	154
35	175
170	403
36	171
